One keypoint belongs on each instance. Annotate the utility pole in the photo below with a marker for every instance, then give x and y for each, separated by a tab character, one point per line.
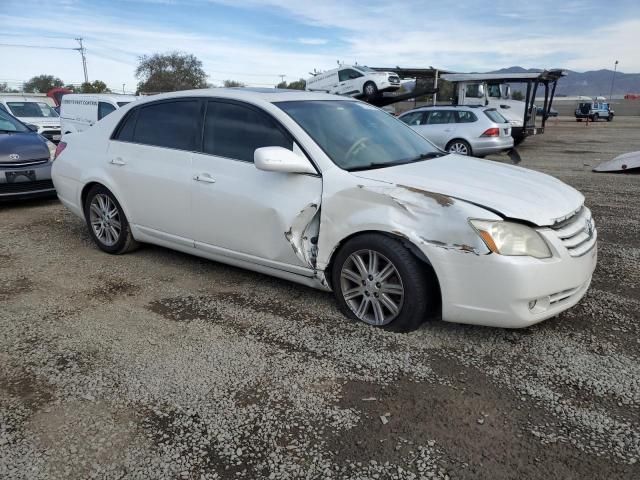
613	78
123	88
84	59
282	78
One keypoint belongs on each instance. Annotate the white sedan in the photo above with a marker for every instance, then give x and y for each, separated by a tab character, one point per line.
334	194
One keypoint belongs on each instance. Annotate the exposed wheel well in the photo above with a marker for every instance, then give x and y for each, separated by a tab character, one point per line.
409	245
85	192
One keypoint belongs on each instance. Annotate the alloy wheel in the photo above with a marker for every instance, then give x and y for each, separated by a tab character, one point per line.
459	148
104	217
372	288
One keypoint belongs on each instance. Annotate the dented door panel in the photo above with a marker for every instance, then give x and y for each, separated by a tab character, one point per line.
253	212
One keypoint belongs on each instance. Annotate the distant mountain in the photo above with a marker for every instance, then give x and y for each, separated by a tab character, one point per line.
592	83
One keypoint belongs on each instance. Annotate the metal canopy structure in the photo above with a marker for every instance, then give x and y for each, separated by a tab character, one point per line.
548	78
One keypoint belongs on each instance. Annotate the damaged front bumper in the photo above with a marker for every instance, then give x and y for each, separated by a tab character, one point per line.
510	292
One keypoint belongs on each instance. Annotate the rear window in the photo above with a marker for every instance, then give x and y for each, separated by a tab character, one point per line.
463	116
495	116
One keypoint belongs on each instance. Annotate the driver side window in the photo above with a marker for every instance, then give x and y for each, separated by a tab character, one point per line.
348	74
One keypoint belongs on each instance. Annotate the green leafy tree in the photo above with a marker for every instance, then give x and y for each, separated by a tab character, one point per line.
169	72
97	86
42	84
297	85
232	84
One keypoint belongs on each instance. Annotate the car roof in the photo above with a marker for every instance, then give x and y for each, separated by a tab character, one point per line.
111	96
268	95
449	107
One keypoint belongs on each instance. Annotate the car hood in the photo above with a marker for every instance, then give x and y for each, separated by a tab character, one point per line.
514	192
29	146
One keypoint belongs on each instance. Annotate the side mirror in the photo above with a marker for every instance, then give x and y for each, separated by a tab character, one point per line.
32	127
279	159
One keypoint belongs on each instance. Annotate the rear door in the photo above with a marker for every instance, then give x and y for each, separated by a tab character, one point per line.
440	127
150	162
241	211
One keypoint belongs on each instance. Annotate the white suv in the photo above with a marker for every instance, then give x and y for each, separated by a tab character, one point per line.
355	81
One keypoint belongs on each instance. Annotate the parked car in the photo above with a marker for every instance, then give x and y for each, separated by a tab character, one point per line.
474	131
78	111
25	160
354	80
551	113
335	194
594	111
34	111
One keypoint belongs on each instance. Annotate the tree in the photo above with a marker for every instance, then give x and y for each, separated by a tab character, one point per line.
4	88
232	84
170	72
297	85
517	95
42	84
97	86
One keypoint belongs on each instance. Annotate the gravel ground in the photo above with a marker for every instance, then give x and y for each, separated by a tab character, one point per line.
162	365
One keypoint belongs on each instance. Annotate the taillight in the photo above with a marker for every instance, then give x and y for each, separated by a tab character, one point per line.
491	132
59	149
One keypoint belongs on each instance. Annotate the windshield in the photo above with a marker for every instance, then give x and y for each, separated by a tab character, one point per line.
495	116
122	104
358	136
31	109
10	124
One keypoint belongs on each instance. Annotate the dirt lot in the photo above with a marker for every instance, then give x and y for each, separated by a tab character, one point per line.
162	365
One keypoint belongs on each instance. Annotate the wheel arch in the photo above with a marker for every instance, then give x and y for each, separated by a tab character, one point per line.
462	139
90	184
404	240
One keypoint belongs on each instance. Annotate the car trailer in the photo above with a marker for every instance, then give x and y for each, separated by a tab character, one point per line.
426	83
522	127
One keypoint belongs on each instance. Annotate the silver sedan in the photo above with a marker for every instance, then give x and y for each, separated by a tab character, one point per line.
464	130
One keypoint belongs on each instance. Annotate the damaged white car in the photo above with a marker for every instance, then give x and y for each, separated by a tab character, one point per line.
334	194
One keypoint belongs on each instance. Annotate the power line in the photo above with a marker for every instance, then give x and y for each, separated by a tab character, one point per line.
35	46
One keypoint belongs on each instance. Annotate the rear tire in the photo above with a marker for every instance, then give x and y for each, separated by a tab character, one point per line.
107	222
370	90
387	287
459	146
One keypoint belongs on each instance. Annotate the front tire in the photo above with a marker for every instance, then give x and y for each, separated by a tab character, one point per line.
377	280
459	146
107	222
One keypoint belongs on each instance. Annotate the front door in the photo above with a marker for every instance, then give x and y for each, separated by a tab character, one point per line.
239	210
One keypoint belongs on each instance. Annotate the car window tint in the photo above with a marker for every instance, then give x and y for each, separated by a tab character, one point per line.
236	131
343	75
495	116
104	109
463	116
169	124
437	117
413	118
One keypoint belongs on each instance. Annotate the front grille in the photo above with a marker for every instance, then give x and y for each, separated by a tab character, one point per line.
49	134
28	163
578	233
24	187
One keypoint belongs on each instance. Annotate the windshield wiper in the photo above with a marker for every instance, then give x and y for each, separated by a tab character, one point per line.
372	165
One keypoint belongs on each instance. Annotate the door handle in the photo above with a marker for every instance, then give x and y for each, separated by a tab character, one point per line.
204	177
117	161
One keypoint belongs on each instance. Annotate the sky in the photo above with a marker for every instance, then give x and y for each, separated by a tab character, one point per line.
257	41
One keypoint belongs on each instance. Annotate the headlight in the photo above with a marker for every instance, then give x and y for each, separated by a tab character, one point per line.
52	150
513	239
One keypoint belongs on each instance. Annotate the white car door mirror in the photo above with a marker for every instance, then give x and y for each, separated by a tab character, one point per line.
279	159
